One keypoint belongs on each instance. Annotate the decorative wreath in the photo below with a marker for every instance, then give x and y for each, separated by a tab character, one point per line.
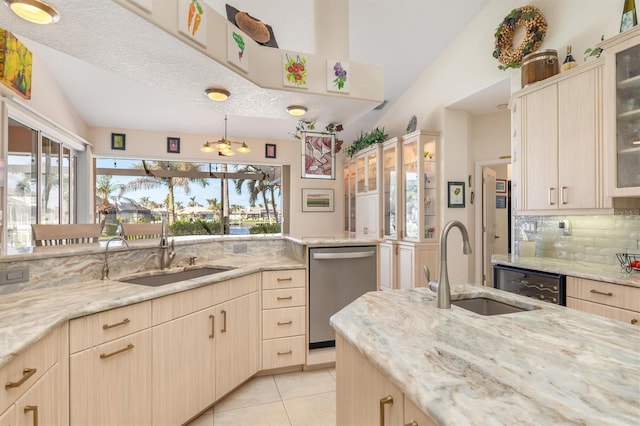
536	28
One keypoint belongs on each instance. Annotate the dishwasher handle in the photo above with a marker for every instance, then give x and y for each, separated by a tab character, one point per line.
345	255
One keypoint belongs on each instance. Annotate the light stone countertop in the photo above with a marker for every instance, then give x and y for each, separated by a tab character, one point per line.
27	316
547	366
593	271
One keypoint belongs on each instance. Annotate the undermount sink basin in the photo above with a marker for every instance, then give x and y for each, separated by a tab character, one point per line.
486	306
169	277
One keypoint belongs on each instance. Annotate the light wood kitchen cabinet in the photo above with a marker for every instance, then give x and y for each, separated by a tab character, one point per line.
411	259
183	367
622	112
283	318
560	131
390	188
618	302
8	418
42	403
37	379
111	383
238	353
364	396
349	169
413	416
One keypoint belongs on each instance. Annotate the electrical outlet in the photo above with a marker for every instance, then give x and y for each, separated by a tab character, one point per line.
14	275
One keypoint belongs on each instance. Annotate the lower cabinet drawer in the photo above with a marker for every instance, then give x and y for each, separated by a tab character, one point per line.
284	298
284	322
630	317
277	353
616	295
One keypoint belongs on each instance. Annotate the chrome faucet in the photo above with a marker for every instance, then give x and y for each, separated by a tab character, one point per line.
166	255
105	265
444	291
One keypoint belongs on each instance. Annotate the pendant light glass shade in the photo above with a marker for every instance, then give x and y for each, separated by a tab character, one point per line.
207	147
224	146
243	149
34	11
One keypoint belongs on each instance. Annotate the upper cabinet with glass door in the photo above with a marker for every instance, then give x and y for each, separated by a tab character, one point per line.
390	188
367	170
420	186
622	115
349	167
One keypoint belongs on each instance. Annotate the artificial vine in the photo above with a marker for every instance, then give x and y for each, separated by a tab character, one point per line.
365	140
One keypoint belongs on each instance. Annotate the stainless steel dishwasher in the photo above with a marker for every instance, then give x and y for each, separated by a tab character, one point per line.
337	277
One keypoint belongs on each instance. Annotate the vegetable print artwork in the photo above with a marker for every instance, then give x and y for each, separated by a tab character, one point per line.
295	70
318	156
192	20
236	53
338	77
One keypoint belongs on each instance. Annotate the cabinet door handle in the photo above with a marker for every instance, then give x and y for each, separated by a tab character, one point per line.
285	298
33	408
634	321
384	401
551	203
26	373
289	352
285	279
285	323
118	324
562	190
412	423
594	291
213	326
224	321
119	351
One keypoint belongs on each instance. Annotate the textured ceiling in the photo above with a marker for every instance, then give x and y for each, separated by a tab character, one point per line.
120	71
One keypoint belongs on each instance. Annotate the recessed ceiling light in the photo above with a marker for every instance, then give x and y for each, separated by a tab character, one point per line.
34	11
217	95
296	110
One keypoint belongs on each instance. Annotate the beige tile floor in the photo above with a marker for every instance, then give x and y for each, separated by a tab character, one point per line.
291	399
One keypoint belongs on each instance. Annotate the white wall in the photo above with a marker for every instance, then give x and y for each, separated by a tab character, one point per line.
467	66
153	146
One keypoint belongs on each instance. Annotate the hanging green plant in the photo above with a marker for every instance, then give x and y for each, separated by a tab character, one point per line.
365	140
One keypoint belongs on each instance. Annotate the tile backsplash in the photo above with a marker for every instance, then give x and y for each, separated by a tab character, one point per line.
594	239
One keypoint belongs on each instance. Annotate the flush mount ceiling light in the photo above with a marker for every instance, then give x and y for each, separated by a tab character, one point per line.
34	11
218	95
296	110
224	146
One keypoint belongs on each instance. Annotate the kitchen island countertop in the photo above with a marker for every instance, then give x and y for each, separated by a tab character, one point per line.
552	365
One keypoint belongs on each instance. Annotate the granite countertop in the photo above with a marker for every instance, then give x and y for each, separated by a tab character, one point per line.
27	316
593	271
547	366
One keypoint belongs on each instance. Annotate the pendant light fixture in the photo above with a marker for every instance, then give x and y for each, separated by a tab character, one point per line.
35	11
224	146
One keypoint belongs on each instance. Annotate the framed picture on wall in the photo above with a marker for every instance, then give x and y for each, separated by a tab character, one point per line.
173	145
501	186
318	155
118	141
455	194
317	200
270	150
501	202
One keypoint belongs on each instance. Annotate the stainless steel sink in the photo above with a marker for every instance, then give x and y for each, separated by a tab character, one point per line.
169	277
486	306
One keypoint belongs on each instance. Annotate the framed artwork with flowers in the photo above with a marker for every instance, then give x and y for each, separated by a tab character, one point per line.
338	77
318	155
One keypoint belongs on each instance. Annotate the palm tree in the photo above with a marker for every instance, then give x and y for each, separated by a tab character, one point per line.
214	205
105	186
151	182
193	202
258	188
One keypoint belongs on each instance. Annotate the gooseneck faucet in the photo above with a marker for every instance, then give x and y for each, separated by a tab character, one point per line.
444	291
105	265
166	255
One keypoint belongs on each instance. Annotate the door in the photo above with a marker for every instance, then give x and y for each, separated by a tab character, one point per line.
488	223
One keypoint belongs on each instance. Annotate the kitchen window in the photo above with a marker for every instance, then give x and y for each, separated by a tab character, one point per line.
194	198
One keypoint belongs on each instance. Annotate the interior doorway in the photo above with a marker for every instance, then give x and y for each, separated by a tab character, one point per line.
492	215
